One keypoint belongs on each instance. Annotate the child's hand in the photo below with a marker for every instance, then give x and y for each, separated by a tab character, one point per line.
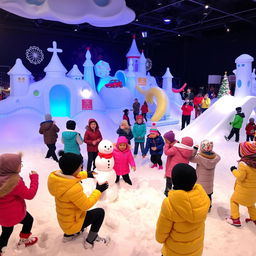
134	168
94	142
153	148
143	156
232	168
33	172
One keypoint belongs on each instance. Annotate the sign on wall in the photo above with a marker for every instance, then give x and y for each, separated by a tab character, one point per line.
86	104
142	81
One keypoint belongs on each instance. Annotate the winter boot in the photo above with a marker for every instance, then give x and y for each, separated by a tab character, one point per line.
249	220
99	241
226	138
160	167
26	240
234	222
66	239
153	165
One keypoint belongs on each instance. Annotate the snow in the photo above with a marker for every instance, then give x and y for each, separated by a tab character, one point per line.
131	220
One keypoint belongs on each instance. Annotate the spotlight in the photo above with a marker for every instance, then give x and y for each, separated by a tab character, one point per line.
144	34
76	28
167	20
206	6
228	29
179	34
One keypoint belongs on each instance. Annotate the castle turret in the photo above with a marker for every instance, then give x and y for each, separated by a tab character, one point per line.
243	75
134	55
142	64
88	69
19	79
167	82
75	73
55	68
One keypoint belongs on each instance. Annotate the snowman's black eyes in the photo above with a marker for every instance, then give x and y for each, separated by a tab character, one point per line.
105	146
111	146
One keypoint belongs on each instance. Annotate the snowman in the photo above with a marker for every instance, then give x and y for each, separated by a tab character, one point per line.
104	170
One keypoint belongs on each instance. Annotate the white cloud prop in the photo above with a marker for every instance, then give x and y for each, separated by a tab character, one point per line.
99	13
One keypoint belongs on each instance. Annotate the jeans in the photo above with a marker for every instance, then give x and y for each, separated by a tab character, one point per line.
7	231
249	137
91	160
134	115
137	144
51	152
145	116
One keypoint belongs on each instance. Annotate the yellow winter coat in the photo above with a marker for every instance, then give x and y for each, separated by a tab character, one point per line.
71	202
180	226
245	186
206	103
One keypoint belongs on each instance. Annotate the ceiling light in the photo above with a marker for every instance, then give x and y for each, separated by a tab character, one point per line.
179	34
167	20
228	29
144	34
206	6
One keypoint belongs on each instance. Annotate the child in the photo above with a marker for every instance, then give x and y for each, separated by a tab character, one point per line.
250	130
49	129
176	153
71	138
123	159
13	191
125	130
236	125
136	108
92	138
181	223
72	204
206	161
205	103
139	132
155	144
144	110
126	116
186	108
197	104
245	185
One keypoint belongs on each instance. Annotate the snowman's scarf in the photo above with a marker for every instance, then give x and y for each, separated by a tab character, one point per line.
107	156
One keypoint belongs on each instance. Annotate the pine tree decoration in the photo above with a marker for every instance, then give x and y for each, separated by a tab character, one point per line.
224	88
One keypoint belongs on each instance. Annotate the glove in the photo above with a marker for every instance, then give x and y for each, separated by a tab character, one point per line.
232	168
102	187
90	174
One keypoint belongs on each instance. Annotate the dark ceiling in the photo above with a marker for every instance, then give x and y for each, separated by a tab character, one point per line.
189	18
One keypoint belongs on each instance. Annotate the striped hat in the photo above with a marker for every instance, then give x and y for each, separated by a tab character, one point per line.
153	129
247	148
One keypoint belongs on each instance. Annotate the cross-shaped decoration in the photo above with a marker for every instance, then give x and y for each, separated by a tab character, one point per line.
54	49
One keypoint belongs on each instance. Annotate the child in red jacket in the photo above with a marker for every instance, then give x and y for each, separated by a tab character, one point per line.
250	130
92	138
186	108
13	191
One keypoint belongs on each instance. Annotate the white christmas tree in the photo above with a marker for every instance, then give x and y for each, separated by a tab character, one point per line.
224	88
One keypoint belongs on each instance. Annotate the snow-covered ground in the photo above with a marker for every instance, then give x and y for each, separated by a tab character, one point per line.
131	220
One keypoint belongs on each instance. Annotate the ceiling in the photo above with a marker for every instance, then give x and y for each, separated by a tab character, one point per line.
189	19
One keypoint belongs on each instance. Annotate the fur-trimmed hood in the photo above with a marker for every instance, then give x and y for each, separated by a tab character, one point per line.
9	185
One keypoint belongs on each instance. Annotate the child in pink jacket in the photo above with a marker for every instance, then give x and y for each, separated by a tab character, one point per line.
13	191
176	153
123	159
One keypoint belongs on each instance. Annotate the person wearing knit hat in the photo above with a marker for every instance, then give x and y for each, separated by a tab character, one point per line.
250	130
236	125
13	191
154	144
245	185
125	130
50	132
139	131
72	204
183	213
206	161
169	137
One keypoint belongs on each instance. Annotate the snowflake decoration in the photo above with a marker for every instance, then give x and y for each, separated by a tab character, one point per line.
34	55
148	64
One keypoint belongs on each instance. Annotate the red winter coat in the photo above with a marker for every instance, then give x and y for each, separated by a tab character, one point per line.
13	206
178	153
91	135
197	101
250	129
186	110
123	159
144	109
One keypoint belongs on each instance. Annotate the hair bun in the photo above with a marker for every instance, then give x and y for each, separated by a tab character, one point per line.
61	153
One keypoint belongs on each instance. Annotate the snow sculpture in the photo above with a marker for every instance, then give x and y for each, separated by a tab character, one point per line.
34	55
100	13
104	169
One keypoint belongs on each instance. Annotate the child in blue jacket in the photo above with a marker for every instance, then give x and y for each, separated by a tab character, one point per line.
155	144
139	131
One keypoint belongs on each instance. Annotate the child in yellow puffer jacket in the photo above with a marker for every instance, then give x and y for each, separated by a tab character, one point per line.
72	204
245	186
180	226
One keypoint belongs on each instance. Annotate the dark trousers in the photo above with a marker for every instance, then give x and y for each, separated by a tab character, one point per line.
51	152
94	218
91	160
156	159
249	137
168	185
126	178
134	115
7	231
197	111
203	109
145	116
236	132
137	144
185	120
